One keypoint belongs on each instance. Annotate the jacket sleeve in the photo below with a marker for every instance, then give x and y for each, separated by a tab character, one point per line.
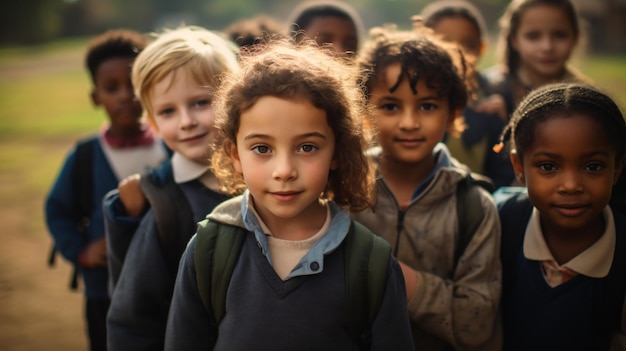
140	302
391	329
188	324
463	310
61	216
119	230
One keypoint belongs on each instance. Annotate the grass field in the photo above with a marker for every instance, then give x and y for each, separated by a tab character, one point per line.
44	108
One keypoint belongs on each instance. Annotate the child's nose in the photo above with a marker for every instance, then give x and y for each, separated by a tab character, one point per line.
187	120
284	168
409	120
571	183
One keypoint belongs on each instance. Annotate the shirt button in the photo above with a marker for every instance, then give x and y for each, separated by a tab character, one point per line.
314	266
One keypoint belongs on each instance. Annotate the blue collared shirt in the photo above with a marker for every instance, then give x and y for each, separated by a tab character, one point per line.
313	261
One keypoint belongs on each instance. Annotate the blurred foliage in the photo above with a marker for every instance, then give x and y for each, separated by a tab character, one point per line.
38	21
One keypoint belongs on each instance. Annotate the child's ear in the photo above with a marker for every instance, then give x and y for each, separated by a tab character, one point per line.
95	100
234	154
518	167
482	49
455	124
152	122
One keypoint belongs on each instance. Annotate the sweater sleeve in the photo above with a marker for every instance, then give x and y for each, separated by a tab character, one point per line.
61	216
119	230
188	324
463	310
140	302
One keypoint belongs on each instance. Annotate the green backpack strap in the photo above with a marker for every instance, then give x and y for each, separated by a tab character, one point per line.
366	265
217	250
470	215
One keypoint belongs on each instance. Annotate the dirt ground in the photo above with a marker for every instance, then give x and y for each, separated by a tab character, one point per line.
37	309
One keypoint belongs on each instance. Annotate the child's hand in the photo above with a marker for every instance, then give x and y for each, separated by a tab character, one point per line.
94	255
410	280
131	196
492	105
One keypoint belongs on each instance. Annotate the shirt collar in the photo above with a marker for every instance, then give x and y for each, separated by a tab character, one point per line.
337	231
594	262
442	159
185	169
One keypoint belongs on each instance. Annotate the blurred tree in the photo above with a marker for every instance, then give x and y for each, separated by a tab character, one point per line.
30	21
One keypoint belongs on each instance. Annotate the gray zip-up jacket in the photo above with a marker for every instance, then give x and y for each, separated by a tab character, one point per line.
453	307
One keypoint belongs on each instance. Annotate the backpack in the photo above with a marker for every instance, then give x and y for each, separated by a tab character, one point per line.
82	177
366	258
470	215
173	215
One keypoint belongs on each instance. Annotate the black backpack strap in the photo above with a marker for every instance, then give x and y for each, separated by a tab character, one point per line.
174	218
216	253
514	214
366	266
82	178
470	213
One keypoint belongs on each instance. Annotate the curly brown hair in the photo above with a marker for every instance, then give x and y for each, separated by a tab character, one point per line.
304	72
422	55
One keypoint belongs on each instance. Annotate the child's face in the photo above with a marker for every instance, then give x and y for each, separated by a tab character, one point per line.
463	32
285	151
544	40
409	125
114	91
569	171
333	30
184	116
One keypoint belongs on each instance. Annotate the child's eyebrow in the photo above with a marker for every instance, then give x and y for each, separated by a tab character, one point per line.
302	136
558	156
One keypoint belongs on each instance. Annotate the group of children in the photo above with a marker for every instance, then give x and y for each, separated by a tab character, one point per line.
303	161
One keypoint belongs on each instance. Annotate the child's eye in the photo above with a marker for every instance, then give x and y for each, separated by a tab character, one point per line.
561	35
389	107
261	149
547	167
532	35
110	88
307	148
166	112
202	103
594	167
428	106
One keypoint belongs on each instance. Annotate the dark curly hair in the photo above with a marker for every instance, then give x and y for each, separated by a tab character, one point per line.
304	72
113	44
302	16
257	30
422	55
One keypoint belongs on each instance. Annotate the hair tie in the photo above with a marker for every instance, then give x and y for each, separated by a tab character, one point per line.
498	147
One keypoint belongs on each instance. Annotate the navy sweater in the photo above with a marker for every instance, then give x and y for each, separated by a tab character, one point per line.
579	314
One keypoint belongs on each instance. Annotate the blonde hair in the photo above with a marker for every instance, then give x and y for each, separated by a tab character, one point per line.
305	72
201	54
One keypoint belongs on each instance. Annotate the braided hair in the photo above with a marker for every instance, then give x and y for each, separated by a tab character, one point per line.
563	99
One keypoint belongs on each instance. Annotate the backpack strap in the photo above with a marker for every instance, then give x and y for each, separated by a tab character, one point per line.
366	265
469	213
367	259
217	249
82	178
514	216
173	215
